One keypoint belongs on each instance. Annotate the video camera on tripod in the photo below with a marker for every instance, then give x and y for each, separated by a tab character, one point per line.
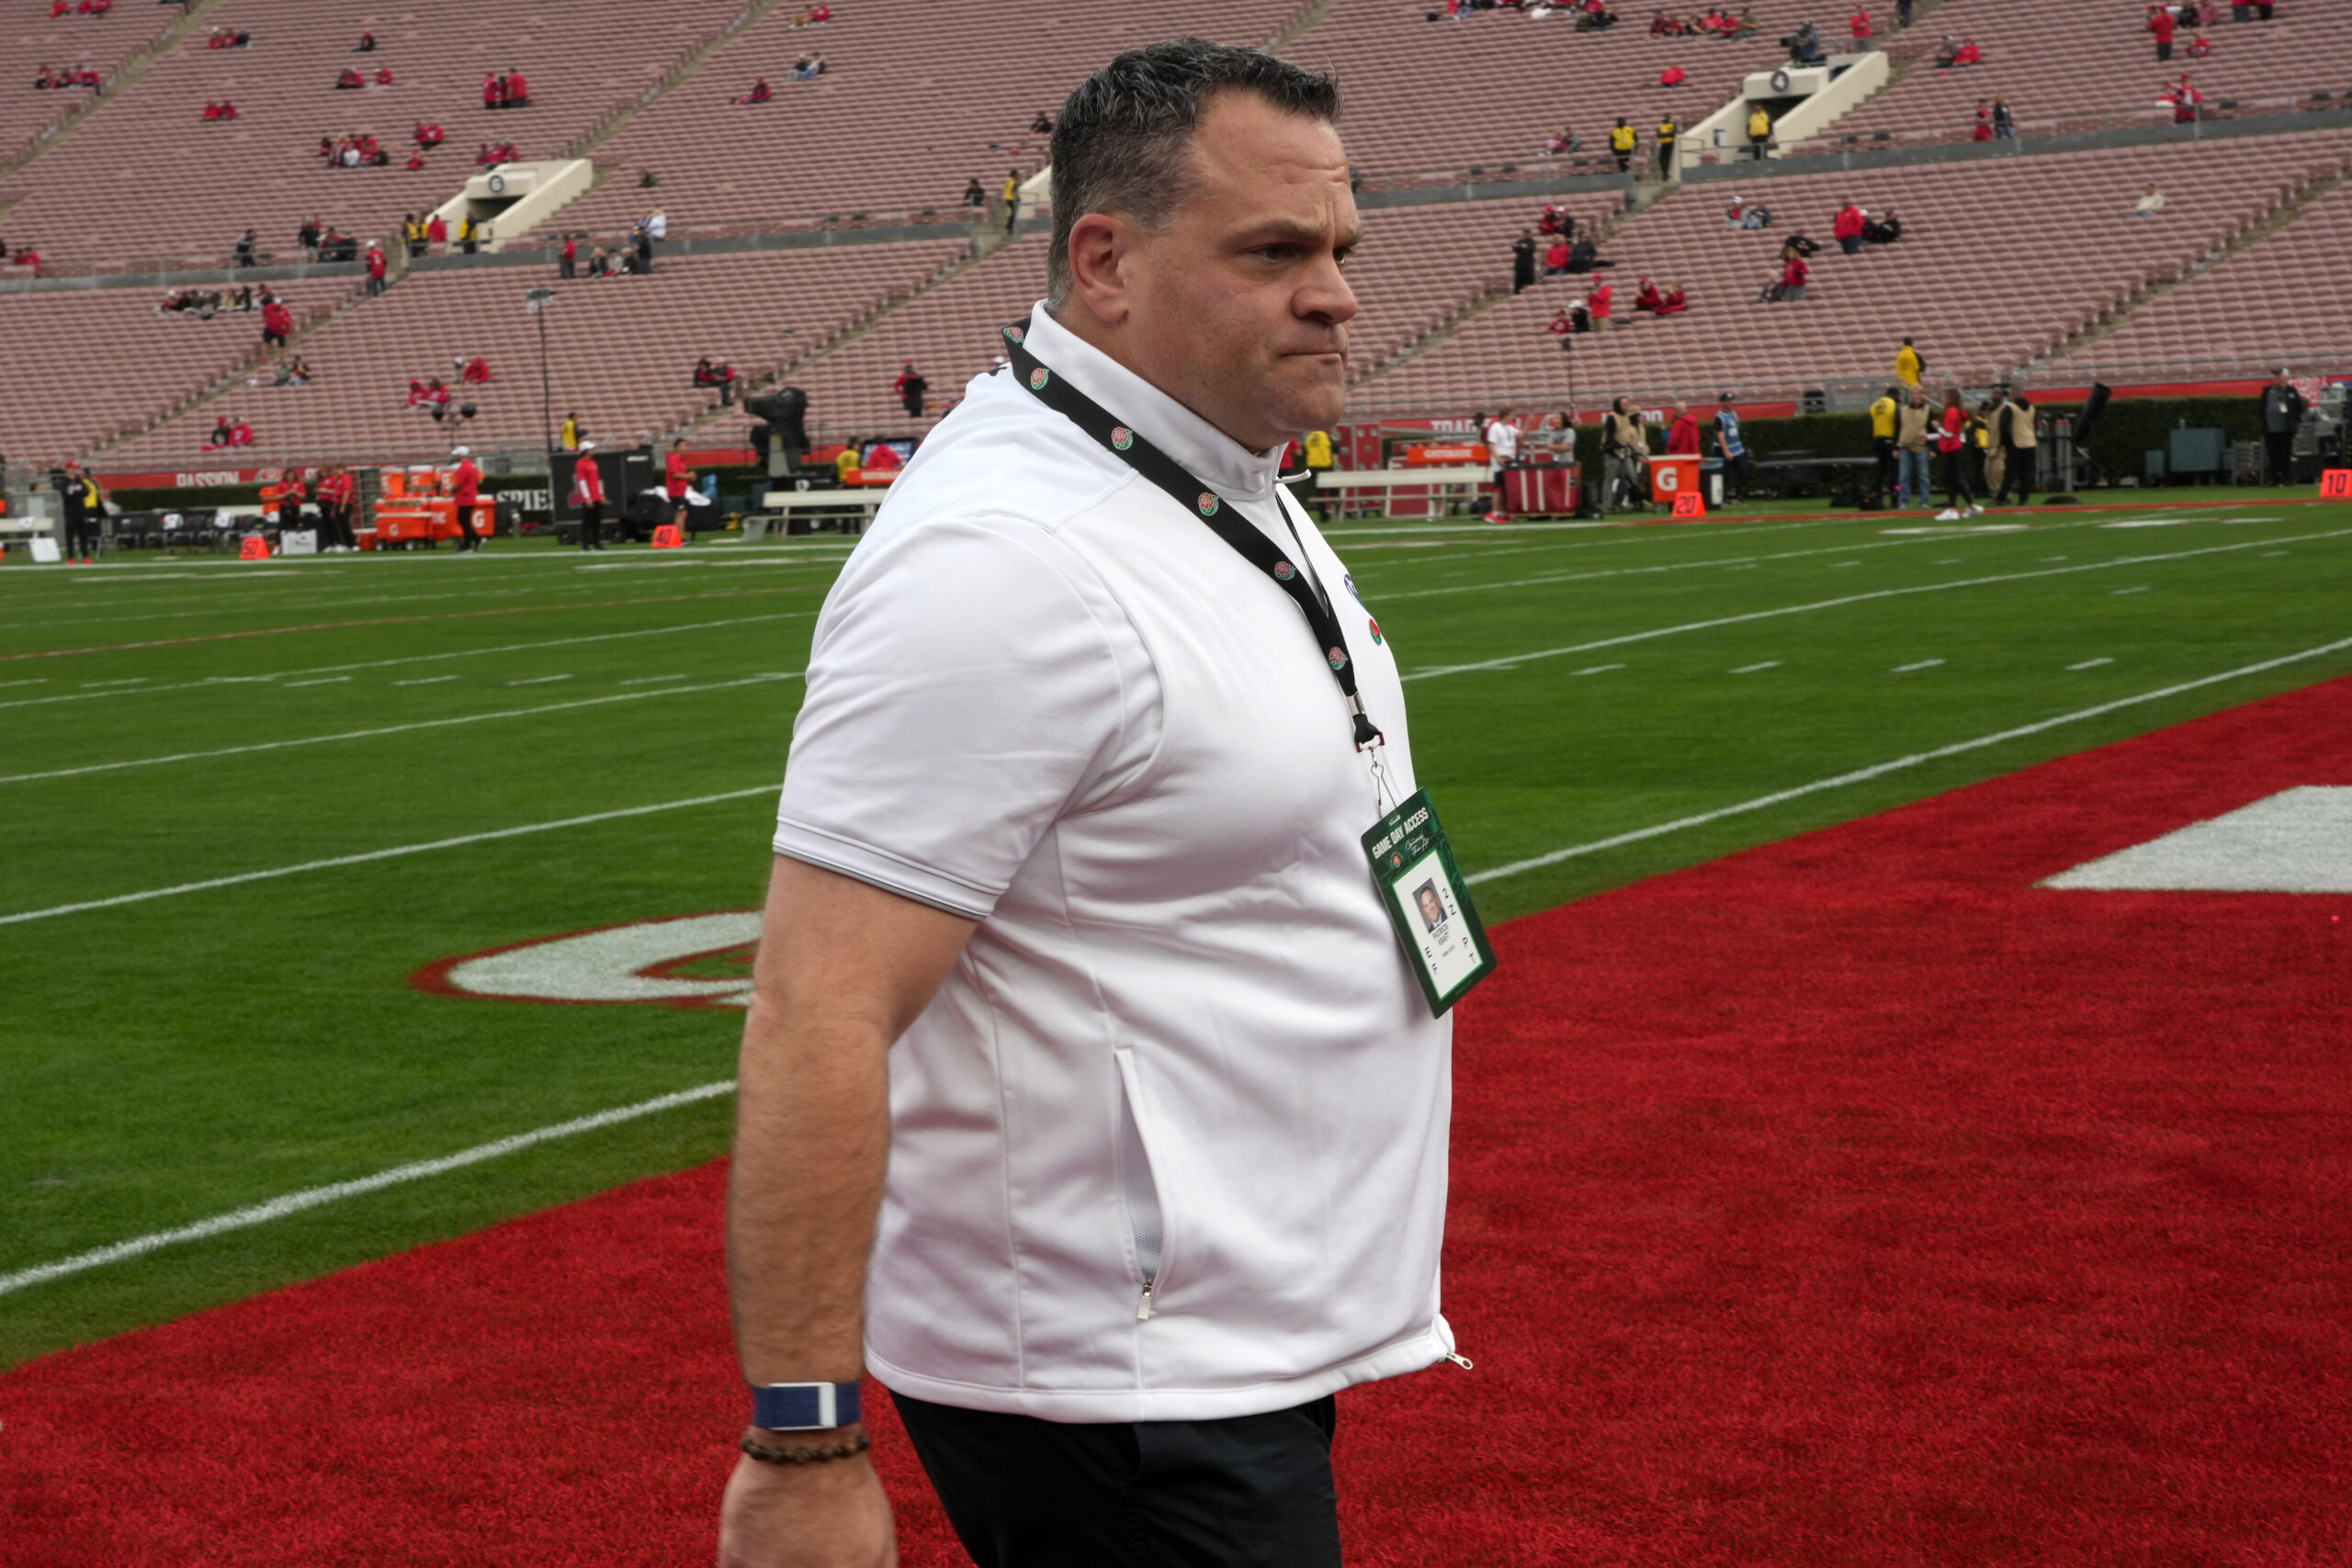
781	439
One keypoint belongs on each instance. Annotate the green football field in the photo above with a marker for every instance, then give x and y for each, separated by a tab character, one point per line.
245	803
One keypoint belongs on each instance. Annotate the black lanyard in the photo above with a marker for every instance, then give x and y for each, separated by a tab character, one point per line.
1299	581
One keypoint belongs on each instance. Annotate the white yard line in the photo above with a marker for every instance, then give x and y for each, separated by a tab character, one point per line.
1752	669
539	679
650	680
394	728
314	1197
1596	670
395	853
2120	592
1909	669
1863	775
1509	660
2090	665
428	658
424	681
322	681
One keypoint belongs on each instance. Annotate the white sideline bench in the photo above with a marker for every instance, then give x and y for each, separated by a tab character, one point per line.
778	506
1346	484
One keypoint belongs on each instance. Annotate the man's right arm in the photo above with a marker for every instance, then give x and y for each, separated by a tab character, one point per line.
844	968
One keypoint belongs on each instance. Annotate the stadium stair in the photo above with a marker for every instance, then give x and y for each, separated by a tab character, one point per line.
2323	197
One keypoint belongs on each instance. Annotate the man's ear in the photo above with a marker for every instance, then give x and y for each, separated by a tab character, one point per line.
1103	261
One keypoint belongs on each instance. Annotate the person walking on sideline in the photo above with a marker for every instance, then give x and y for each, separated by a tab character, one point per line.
2014	438
1075	1007
1913	485
1882	417
676	480
1502	451
1731	446
79	500
465	488
2282	414
588	495
1951	447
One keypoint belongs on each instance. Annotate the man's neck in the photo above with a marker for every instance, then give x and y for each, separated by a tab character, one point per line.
1115	345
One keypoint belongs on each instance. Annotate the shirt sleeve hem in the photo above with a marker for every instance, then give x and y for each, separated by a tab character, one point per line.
879	868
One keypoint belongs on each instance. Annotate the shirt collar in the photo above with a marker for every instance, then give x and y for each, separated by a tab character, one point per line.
1207	452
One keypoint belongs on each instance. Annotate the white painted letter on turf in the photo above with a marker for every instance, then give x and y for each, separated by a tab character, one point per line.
2299	840
617	964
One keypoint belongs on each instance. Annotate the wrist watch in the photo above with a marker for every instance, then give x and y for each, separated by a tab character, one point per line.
804	1406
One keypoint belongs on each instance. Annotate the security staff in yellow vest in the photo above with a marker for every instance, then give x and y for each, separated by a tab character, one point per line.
1621	142
1760	130
1883	414
1669	134
1316	452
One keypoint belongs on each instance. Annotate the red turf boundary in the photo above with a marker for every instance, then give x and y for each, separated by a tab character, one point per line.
1846	1202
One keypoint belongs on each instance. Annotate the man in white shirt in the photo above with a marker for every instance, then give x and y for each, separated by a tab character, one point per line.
1085	1070
1502	450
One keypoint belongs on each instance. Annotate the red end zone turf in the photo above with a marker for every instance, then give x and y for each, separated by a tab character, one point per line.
1849	1200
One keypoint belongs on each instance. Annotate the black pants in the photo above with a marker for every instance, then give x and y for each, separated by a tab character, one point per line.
2163	52
1956	492
1887	481
1248	1492
2018	474
338	526
2282	456
472	540
591	527
80	537
1736	475
567	266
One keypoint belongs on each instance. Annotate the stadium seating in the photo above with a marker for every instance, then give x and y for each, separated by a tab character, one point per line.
1427	100
111	361
2279	301
2062	66
32	39
1994	270
621	350
906	113
146	177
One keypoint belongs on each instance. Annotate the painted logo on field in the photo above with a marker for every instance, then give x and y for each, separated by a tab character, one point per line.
686	961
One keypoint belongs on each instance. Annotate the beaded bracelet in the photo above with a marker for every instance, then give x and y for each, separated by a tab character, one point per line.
767	1455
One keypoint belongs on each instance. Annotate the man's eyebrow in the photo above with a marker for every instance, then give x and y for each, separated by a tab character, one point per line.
1291	230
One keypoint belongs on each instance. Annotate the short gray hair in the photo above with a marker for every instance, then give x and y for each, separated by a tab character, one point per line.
1119	145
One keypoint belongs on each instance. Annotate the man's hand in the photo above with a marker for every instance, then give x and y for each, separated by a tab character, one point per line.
831	1515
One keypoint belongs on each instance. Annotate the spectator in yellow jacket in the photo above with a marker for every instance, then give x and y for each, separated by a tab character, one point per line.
1908	365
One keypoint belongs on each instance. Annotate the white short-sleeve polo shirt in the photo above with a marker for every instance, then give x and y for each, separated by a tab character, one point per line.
1171	1142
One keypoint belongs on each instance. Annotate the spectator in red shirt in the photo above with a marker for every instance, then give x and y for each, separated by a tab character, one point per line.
910	386
493	91
1597	302
2188	102
350	78
367	43
1858	24
2161	24
1848	227
1983	131
518	91
475	372
241	433
416	397
375	268
465	489
568	262
277	323
1678	299
1682	434
437	231
1646	297
383	76
761	93
1556	258
1673	76
1793	274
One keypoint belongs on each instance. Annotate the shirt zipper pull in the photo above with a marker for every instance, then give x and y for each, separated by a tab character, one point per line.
1459	1359
1142	1307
